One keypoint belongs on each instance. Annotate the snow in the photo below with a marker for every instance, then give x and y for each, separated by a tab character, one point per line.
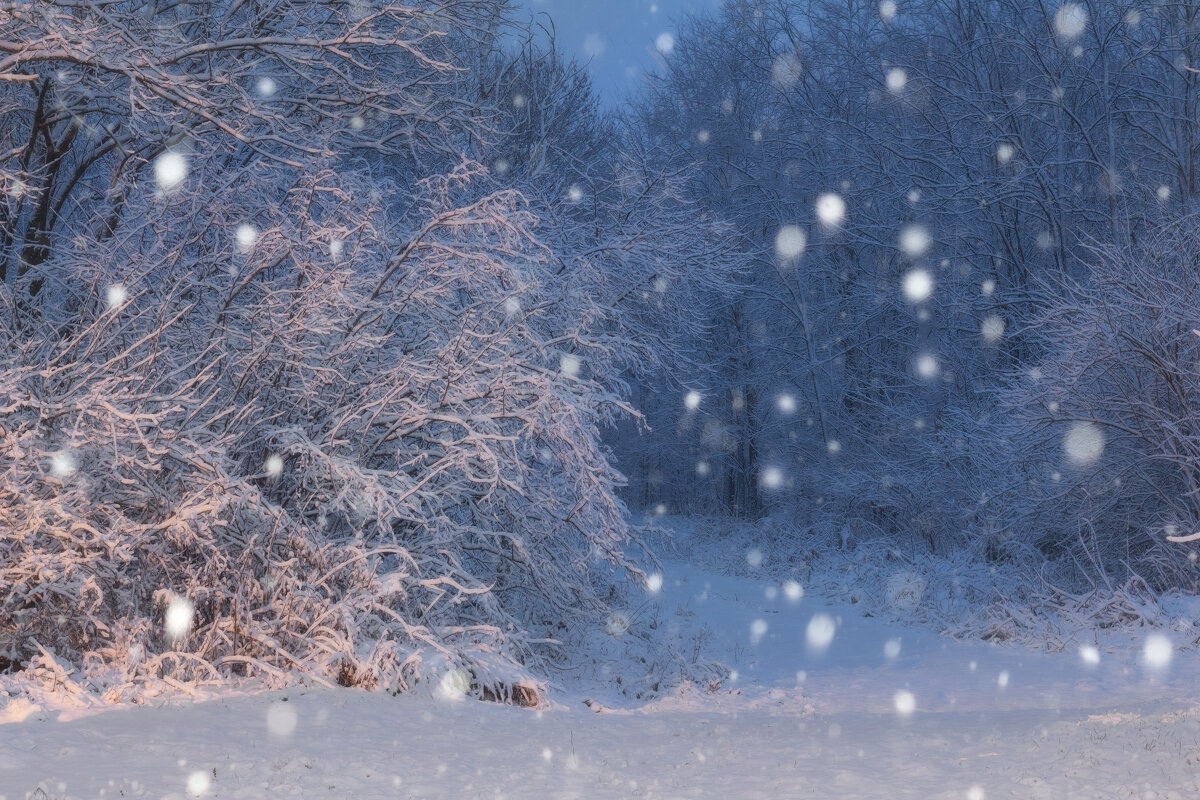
1083	443
1070	20
918	285
855	716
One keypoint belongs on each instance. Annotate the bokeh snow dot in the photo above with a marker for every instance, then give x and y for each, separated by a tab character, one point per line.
891	649
281	719
273	466
170	169
915	241
62	465
665	44
918	286
790	242
1157	651
1070	20
198	783
820	631
772	477
178	619
1084	443
887	10
992	329
654	582
754	557
247	235
831	210
975	793
692	400
927	366
1090	655
116	295
905	703
569	366
792	590
897	79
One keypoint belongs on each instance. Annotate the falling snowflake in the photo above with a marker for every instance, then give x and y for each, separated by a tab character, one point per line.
281	719
831	210
1090	655
568	365
115	296
915	241
896	80
772	477
178	619
1084	443
62	464
887	10
265	88
790	242
786	70
1157	652
1004	153
793	591
594	44
575	193
786	404
1070	20
691	400
654	582
665	44
246	235
617	625
198	783
992	329
273	467
891	649
927	366
918	286
905	703
170	170
820	632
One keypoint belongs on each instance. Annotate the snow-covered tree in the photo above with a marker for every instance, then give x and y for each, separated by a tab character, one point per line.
296	381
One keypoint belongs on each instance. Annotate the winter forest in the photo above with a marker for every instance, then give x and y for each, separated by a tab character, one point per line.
392	407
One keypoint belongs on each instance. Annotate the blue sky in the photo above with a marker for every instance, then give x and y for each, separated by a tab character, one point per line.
616	37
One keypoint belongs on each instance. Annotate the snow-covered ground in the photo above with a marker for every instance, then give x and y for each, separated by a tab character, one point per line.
823	701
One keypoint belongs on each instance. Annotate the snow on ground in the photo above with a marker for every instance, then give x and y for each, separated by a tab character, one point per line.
821	701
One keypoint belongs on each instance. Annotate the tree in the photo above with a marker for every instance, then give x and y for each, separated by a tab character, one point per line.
294	385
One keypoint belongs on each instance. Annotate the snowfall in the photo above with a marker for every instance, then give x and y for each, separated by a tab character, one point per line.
820	699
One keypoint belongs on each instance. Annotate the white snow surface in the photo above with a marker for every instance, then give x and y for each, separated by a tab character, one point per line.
938	719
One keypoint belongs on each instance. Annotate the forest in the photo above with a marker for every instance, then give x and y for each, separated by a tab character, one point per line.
359	343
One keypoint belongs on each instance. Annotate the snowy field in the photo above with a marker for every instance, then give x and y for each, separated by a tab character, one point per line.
822	701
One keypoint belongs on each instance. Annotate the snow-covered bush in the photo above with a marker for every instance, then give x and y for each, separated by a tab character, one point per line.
1107	424
290	385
